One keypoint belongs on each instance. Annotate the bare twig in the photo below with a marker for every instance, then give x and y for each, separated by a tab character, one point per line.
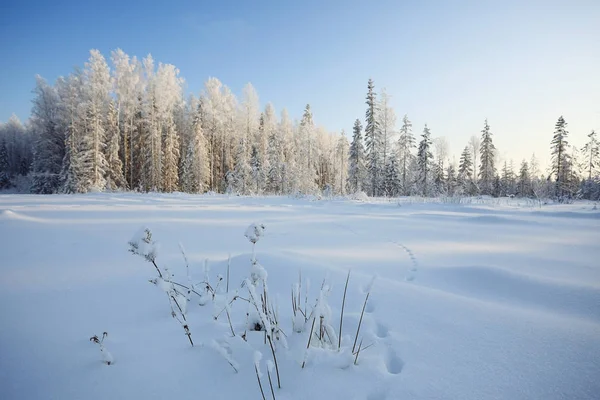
185	287
230	303
366	347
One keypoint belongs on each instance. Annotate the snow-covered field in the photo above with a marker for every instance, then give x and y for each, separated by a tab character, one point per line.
504	304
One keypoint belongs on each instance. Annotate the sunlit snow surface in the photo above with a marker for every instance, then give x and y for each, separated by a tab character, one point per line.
504	304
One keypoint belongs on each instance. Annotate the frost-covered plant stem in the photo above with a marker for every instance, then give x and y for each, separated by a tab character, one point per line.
298	312
183	319
184	322
225	355
187	264
145	247
265	322
107	358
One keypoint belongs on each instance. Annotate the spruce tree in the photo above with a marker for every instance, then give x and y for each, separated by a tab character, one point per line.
306	154
439	178
288	165
3	157
187	183
496	186
372	140
261	143
257	169
424	157
242	171
451	180
487	169
392	177
406	143
4	167
591	152
387	125
524	180
275	162
357	172
70	93
507	180
465	172
195	169
559	154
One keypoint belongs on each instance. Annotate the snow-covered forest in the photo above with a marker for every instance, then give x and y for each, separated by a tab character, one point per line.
129	126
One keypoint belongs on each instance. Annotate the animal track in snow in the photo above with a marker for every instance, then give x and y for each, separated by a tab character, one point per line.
382	331
393	363
370	306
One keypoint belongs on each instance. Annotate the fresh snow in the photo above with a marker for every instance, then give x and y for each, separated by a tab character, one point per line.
488	300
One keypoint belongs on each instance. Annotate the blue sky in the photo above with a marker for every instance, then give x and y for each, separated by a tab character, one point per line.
450	64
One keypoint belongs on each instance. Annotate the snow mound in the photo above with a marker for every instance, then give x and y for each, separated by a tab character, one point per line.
509	287
8	214
359	196
514	305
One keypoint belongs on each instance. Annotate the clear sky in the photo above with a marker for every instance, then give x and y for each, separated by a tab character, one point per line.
450	64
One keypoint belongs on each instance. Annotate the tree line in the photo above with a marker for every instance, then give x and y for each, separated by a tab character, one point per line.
130	127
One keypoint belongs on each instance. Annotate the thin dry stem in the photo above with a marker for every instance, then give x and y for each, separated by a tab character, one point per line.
230	325
157	269
275	360
309	339
342	313
271	383
259	384
228	265
360	321
358	352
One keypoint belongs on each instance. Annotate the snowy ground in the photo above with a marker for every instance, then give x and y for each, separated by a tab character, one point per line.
505	303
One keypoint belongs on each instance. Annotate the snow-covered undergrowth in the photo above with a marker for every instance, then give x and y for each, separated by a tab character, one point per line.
504	303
